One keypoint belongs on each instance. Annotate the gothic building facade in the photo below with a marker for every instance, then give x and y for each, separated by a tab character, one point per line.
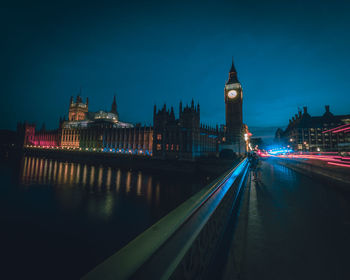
33	137
182	137
105	136
91	131
234	131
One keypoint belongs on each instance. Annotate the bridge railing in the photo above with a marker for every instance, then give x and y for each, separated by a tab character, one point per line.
182	244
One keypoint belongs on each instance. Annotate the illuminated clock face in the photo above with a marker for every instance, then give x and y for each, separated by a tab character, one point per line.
232	94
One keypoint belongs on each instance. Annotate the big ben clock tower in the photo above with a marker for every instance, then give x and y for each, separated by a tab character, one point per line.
233	108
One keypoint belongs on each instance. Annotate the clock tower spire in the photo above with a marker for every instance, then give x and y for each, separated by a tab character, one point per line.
233	107
232	78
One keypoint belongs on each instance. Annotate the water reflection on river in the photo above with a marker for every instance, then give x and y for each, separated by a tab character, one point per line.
94	179
74	215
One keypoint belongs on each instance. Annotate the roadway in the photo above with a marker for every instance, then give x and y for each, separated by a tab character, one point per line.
290	227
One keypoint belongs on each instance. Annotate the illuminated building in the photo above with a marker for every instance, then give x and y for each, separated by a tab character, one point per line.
345	131
307	133
108	136
233	135
182	138
41	138
82	123
78	109
92	131
169	138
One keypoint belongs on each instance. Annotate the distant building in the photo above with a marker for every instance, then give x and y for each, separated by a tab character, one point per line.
233	136
106	136
78	109
344	130
307	133
169	138
80	120
43	138
185	137
83	130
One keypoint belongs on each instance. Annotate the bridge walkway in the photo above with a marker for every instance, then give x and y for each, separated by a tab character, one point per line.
290	227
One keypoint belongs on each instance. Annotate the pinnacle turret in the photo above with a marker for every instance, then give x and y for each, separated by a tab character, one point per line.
114	106
233	69
232	76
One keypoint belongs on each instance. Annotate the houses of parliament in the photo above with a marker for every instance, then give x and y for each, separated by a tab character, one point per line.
184	137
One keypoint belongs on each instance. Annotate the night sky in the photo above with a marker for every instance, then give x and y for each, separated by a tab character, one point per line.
288	54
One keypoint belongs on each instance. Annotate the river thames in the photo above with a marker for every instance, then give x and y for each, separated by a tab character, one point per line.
60	219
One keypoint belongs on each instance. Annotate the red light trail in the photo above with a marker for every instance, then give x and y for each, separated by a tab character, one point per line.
343	161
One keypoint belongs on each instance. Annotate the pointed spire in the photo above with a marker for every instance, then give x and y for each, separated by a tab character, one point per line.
192	104
172	114
114	106
232	79
233	69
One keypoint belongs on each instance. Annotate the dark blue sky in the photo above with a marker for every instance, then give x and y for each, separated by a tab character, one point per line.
288	54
